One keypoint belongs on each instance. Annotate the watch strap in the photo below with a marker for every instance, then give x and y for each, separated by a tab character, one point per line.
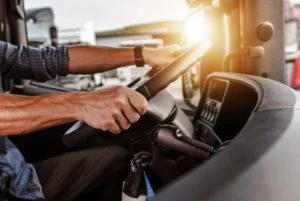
138	56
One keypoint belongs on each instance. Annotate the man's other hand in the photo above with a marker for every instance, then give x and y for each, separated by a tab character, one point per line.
159	57
112	109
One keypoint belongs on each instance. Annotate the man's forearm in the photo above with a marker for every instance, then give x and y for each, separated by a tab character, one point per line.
110	109
92	59
24	114
84	59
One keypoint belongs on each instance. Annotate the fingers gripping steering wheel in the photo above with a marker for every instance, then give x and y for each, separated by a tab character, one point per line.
80	131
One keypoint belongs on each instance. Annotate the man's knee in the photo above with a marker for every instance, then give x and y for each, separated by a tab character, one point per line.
109	154
82	171
103	160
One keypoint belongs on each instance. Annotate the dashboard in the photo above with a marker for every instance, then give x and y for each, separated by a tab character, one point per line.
226	104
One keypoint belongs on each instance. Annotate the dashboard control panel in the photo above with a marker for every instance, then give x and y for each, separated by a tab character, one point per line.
213	102
227	101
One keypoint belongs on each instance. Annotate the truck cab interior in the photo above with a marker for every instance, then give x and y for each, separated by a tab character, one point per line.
241	140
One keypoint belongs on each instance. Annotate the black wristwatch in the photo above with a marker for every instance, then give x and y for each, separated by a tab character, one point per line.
138	56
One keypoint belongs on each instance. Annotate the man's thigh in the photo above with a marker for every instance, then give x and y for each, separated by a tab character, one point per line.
75	174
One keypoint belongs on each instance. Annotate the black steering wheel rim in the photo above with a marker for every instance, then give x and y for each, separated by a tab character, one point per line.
149	88
173	70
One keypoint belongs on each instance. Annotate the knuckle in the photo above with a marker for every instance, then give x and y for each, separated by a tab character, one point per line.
112	127
119	102
126	126
115	131
108	126
135	118
121	89
145	103
114	112
143	106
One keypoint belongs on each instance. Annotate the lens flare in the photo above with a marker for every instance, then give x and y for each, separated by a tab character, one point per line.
196	28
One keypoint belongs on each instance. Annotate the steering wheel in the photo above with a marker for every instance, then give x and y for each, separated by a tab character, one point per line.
149	88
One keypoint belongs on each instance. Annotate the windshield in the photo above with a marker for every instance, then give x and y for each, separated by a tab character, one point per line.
111	14
107	23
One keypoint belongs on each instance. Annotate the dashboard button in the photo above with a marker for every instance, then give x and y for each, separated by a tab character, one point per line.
203	114
211	119
213	103
215	112
207	113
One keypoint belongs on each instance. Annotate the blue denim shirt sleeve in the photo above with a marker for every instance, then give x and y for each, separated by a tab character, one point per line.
16	176
40	64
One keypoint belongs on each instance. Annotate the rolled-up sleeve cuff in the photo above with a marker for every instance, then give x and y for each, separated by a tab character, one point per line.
63	60
48	62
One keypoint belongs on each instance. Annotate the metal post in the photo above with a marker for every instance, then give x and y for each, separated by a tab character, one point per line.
262	17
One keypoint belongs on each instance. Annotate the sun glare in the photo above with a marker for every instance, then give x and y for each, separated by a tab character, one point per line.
196	28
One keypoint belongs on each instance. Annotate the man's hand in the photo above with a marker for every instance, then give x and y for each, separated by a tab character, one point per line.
112	109
159	57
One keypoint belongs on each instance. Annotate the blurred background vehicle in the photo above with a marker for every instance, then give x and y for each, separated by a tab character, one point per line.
292	30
